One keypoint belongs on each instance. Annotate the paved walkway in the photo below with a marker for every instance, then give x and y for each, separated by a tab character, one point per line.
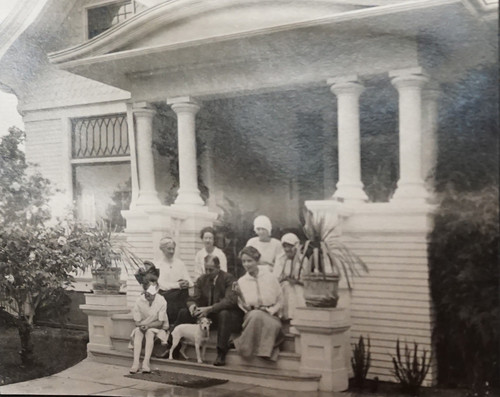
92	378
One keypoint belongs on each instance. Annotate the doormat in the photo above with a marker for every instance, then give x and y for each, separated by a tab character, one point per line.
175	378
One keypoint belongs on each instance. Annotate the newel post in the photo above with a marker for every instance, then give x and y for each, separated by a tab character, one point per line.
323	341
100	308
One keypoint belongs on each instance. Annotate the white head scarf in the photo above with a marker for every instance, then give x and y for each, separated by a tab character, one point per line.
290	238
263	222
166	240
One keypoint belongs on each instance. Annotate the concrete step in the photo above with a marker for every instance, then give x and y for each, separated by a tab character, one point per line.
266	377
287	361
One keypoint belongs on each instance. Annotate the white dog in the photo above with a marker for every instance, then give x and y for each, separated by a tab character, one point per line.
196	333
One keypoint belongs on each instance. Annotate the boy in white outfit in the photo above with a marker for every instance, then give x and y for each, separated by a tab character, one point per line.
150	316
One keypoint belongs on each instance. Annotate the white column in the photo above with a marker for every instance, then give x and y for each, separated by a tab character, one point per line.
429	133
148	195
186	109
409	83
349	185
134	178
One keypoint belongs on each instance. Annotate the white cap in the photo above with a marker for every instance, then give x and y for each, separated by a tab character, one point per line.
263	222
166	240
290	238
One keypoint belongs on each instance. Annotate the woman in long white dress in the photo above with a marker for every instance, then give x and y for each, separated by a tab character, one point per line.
260	297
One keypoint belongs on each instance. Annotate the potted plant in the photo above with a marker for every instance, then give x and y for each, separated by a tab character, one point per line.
327	260
104	253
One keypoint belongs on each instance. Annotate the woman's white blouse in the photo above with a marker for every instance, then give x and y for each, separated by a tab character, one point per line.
269	251
171	273
263	290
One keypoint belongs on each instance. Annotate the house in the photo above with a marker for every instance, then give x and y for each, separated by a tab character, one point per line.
179	105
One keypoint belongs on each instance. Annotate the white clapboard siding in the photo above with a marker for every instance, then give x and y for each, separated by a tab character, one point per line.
392	301
394	287
389	309
394	316
44	147
141	245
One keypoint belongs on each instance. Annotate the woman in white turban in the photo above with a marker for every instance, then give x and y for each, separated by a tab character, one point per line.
270	248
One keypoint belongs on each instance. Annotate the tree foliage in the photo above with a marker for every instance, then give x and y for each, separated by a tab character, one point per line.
36	259
463	253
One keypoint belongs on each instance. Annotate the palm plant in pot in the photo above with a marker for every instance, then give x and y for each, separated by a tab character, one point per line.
324	260
104	253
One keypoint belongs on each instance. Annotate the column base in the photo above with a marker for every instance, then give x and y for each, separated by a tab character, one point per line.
189	198
350	193
414	193
147	198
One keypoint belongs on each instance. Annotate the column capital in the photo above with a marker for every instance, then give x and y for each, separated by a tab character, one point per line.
144	109
184	104
411	77
345	84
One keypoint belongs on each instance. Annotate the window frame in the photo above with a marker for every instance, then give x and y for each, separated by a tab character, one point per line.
97	4
90	161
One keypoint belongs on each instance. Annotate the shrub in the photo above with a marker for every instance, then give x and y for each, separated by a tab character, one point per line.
409	370
360	361
463	248
464	284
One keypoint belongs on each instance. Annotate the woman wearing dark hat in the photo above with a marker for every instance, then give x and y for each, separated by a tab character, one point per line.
147	274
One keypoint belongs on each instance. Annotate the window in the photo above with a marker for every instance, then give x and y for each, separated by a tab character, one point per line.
101	168
104	17
101	191
100	137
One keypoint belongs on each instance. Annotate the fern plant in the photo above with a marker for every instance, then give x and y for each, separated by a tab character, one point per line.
361	361
409	370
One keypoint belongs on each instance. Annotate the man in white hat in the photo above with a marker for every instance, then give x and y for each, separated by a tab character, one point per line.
150	316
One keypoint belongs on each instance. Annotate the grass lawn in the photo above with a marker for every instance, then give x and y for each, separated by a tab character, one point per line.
54	350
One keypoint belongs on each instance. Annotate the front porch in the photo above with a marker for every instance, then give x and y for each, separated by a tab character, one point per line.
333	76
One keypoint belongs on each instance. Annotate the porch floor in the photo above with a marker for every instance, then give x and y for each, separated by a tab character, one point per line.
93	378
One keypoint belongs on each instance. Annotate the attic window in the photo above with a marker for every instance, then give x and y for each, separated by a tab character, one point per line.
104	17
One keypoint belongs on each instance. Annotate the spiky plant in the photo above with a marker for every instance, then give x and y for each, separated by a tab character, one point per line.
409	370
328	255
361	361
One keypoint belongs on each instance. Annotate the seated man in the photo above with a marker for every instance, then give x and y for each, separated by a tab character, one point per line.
288	270
150	316
214	298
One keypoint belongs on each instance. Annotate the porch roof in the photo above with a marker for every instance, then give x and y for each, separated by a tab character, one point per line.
193	40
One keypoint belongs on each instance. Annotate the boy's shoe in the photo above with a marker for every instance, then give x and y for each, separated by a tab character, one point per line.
146	369
134	369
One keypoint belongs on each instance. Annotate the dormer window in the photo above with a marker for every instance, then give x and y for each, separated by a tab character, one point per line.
103	17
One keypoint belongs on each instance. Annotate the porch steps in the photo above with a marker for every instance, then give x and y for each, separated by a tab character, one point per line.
287	361
283	374
267	377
